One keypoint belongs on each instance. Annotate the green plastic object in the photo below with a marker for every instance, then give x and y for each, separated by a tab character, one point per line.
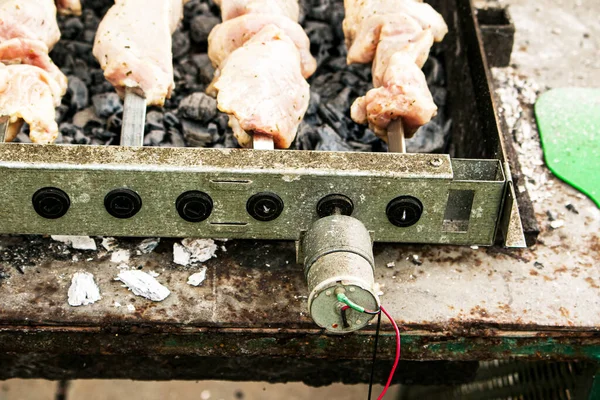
569	123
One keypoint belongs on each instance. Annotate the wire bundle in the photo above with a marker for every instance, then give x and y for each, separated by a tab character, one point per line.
350	304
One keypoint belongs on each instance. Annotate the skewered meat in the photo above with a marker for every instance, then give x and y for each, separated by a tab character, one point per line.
234	8
29	19
29	93
262	88
396	37
261	57
31	86
32	52
133	46
69	7
232	34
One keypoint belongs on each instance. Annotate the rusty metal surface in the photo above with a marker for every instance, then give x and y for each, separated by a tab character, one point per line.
460	303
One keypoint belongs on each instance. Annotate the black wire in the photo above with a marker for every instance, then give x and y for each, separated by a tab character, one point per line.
374	355
345	318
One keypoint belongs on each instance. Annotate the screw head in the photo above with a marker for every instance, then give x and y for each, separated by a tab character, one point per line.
122	203
194	206
404	211
264	206
329	204
436	162
50	202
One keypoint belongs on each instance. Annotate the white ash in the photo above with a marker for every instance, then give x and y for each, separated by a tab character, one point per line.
153	274
197	278
83	290
109	243
415	259
148	245
517	95
390	264
180	254
559	223
192	251
120	256
76	242
116	304
143	284
130	307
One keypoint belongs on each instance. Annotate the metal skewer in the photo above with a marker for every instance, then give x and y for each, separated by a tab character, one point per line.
134	119
396	143
4	123
260	141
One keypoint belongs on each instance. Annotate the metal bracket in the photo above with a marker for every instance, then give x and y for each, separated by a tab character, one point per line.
510	221
460	199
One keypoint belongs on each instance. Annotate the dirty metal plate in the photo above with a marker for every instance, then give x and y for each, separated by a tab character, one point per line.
459	303
230	177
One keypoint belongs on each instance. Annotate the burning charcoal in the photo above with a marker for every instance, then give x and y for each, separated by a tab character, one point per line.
81	70
330	141
205	68
196	134
89	36
68	130
307	137
439	95
434	71
321	39
90	19
171	120
106	104
103	135
92	125
78	92
61	113
154	138
342	102
97	76
329	84
115	122
72	28
313	103
319	9
82	117
230	140
194	8
104	87
180	44
154	121
70	48
338	64
200	27
81	138
429	138
335	17
198	106
336	119
176	137
222	121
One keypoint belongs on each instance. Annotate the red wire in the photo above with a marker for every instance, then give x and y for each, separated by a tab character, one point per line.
397	331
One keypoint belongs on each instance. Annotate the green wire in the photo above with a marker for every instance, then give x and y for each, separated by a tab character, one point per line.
344	299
